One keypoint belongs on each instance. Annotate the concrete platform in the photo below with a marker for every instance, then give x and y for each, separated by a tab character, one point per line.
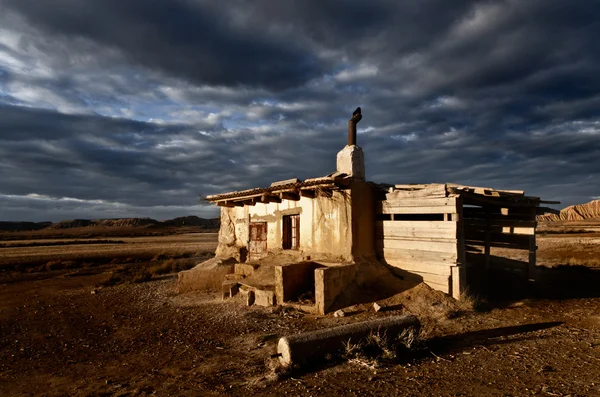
208	275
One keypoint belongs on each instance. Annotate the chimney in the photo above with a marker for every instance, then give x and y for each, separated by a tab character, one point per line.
351	160
356	117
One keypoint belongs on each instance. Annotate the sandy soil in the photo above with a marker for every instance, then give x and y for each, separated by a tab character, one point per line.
58	338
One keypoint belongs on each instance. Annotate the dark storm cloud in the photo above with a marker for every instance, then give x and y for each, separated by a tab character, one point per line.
179	37
122	163
208	97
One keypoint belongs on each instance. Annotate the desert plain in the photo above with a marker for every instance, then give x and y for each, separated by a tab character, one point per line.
94	311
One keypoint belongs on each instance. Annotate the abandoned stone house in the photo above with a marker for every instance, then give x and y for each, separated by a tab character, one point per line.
317	237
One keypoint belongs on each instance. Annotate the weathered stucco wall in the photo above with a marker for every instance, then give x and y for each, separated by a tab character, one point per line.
325	226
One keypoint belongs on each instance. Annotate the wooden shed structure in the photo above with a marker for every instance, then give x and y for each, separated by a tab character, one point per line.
440	233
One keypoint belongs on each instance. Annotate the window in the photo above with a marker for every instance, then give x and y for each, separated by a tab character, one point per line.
291	232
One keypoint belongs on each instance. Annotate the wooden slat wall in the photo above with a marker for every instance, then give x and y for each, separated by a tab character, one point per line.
504	228
424	249
418	229
499	227
445	205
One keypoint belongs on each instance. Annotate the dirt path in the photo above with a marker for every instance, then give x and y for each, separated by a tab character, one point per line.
57	338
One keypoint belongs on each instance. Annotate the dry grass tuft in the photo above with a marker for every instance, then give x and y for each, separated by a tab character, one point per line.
378	348
467	303
587	262
171	266
60	265
141	277
114	278
274	373
160	257
409	338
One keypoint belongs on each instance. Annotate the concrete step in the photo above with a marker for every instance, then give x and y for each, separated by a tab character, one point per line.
245	269
256	296
234	276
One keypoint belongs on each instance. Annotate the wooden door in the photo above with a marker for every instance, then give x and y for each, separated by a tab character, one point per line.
258	240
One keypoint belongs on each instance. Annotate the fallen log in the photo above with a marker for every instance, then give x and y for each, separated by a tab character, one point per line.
302	348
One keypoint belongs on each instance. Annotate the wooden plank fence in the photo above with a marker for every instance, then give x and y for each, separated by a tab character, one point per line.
422	249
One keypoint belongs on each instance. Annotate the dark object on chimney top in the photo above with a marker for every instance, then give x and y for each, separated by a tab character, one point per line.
356	117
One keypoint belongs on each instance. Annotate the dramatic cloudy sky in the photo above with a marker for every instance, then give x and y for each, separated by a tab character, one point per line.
112	108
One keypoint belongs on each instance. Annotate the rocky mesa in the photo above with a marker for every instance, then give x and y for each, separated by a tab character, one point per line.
578	212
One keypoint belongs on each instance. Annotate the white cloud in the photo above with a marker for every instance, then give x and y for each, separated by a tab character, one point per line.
42	97
43	197
406	137
358	73
483	18
448	102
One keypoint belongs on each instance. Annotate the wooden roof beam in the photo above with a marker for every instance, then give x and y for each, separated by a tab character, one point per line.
294	196
307	193
252	201
269	198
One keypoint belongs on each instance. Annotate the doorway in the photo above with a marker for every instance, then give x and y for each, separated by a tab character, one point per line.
257	247
291	232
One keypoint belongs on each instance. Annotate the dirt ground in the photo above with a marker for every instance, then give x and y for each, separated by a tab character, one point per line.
62	335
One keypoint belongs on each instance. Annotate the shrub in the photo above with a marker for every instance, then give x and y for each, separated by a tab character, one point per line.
55	265
141	277
171	266
164	268
160	257
72	264
114	278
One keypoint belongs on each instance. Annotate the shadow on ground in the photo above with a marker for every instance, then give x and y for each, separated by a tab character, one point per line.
558	282
487	337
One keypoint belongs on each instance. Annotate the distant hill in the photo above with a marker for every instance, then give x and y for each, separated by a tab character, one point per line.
17	226
121	222
72	223
128	222
193	220
578	212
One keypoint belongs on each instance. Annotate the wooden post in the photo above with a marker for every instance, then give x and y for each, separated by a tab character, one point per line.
459	273
532	253
487	253
459	281
488	258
